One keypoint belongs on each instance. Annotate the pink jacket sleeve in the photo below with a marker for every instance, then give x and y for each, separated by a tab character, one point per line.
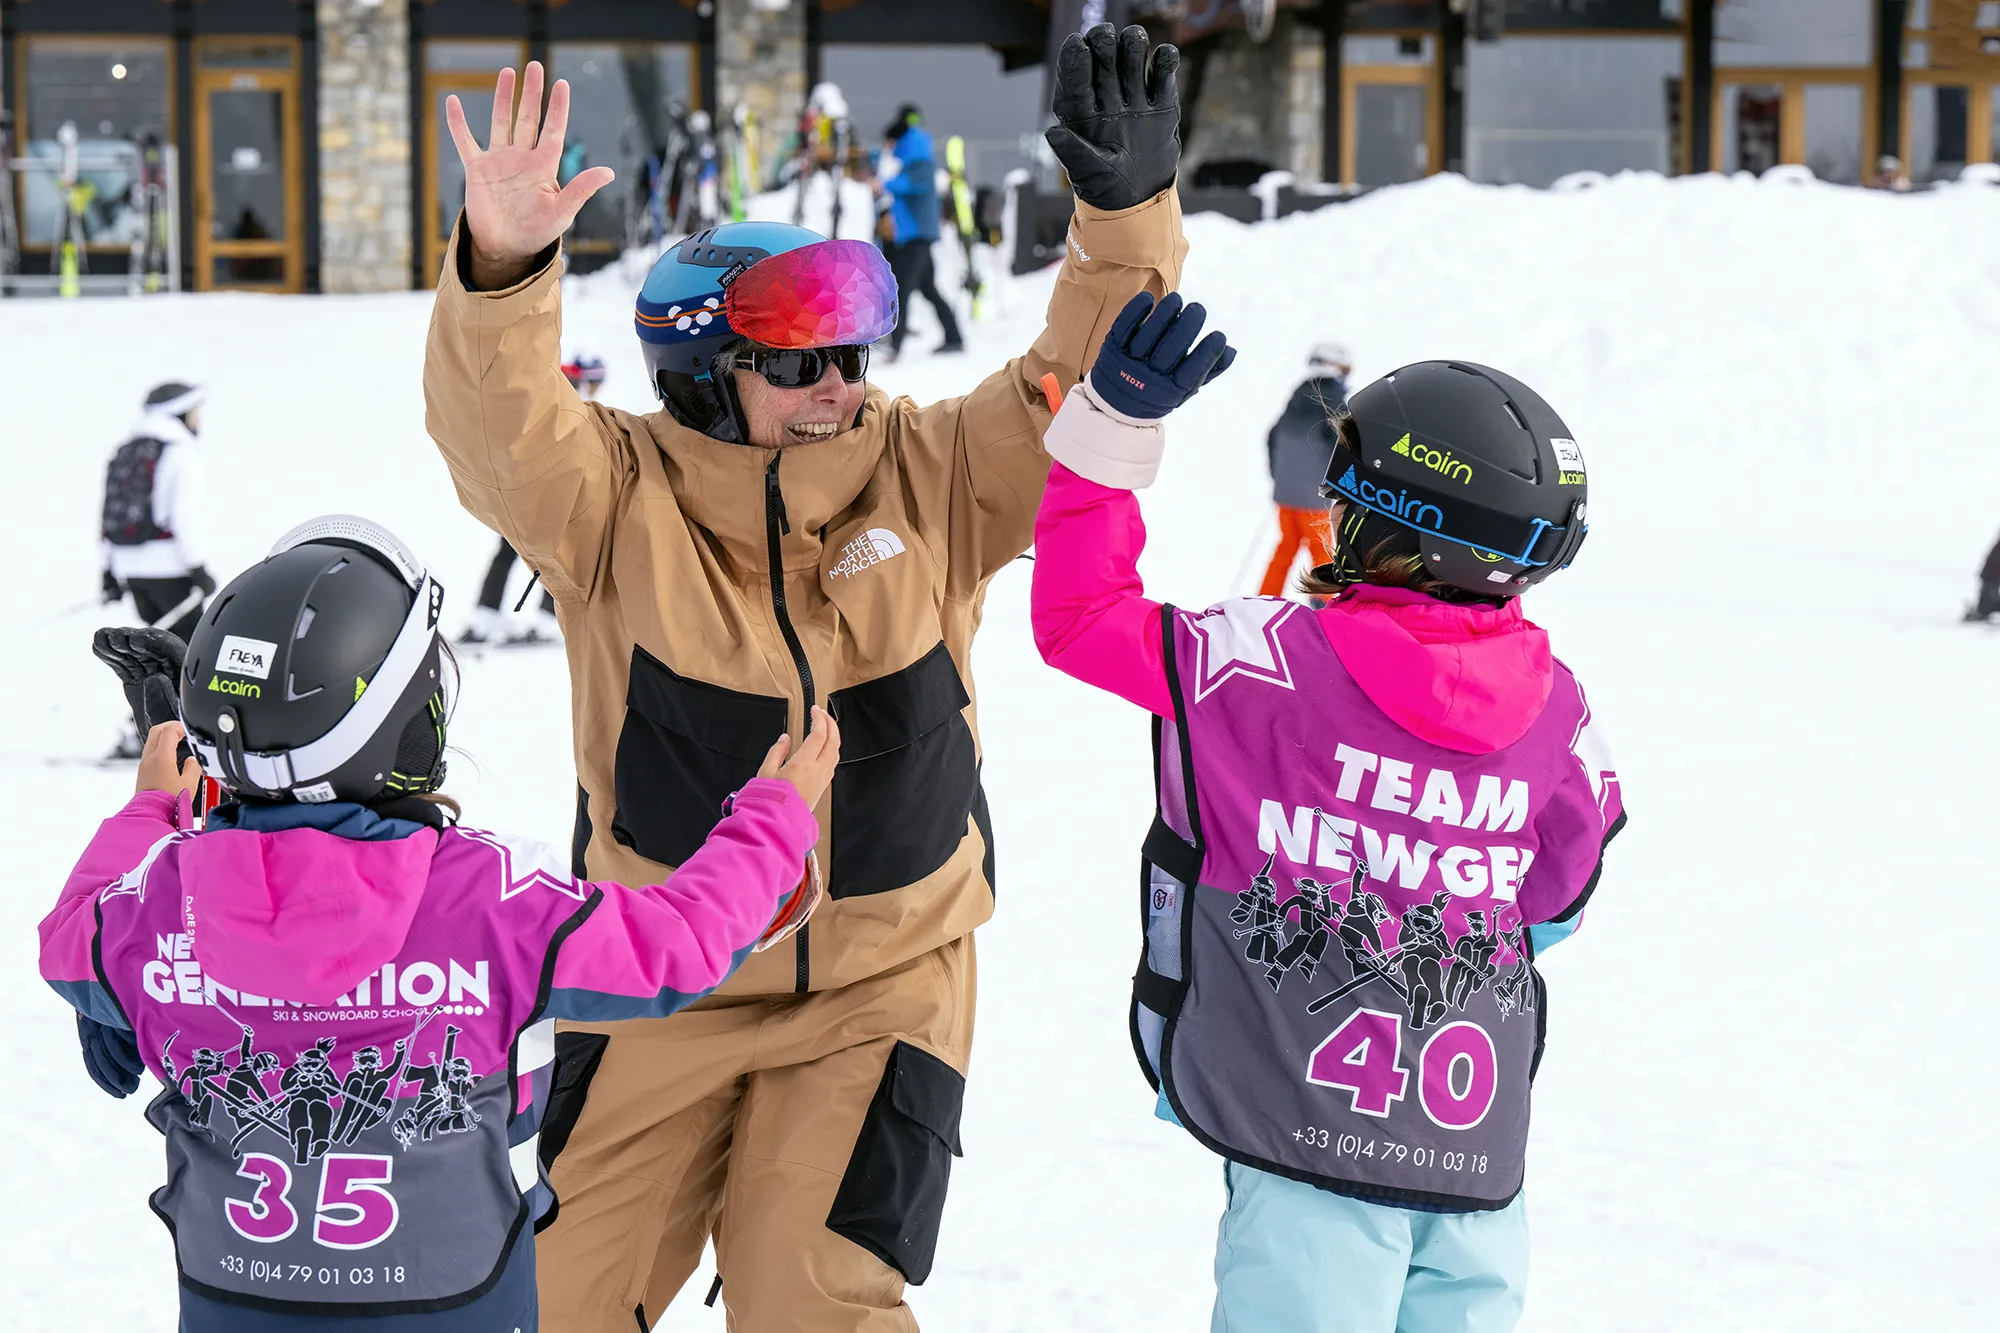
70	929
1092	618
646	952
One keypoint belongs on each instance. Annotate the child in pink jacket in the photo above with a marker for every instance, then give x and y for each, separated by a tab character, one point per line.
350	997
1370	816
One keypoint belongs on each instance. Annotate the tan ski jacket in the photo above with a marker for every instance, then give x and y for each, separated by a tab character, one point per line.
708	593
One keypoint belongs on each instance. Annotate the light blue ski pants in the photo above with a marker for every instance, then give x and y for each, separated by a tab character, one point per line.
1294	1259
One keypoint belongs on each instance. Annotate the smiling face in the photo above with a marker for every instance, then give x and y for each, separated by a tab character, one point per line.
778	418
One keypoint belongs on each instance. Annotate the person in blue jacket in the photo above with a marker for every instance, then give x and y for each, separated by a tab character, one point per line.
908	177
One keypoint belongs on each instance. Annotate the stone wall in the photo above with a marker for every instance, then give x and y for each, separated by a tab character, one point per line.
364	145
761	64
1261	101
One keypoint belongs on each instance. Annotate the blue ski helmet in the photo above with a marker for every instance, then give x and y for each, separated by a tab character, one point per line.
683	328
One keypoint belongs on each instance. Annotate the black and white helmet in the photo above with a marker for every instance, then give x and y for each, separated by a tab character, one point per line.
315	675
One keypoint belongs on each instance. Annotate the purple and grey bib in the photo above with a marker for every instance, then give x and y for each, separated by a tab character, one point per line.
1337	986
371	1156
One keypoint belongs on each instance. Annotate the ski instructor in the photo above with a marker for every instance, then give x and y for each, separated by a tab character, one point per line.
779	534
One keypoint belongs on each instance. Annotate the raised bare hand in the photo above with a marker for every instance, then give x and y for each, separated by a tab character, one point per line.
513	208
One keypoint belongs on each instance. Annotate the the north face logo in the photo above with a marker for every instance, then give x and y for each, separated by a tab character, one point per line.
870	548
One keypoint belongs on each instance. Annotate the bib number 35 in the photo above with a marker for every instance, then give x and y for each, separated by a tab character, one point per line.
352	1211
1457	1071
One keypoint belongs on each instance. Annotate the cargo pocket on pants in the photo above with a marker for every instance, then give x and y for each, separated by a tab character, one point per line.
891	1199
685	746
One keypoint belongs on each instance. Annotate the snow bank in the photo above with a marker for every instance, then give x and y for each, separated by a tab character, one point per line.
1765	1102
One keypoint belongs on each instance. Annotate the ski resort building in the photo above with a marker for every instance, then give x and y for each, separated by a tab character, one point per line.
308	152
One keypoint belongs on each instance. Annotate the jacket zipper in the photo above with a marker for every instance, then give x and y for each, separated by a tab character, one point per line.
776	524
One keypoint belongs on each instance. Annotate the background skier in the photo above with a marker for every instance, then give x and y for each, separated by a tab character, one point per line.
908	180
1300	445
152	519
1987	605
780	535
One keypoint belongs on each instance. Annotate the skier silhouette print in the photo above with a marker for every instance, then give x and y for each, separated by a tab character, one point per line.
1257	912
1315	907
310	1087
444	1104
1471	960
364	1093
244	1093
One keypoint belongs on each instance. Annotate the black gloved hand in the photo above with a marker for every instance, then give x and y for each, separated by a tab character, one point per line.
136	655
112	588
201	578
110	1056
1119	130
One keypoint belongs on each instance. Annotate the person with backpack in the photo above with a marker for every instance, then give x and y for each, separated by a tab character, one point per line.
1300	446
907	177
351	996
152	513
1405	779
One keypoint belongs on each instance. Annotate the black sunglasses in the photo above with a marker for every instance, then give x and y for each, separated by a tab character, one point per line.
802	367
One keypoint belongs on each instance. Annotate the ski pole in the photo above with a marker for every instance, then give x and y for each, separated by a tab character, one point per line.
181	608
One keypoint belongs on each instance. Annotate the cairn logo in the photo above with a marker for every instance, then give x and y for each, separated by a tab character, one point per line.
239	656
359	686
1397	504
870	548
241	687
1437	460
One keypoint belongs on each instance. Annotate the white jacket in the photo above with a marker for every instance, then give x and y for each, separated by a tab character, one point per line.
177	497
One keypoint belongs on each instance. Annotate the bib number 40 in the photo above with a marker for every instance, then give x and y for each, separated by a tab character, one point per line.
1457	1071
353	1211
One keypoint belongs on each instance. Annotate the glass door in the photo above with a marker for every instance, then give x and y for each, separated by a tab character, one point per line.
465	70
247	185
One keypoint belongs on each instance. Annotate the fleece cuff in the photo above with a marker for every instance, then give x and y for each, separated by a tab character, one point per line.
1103	445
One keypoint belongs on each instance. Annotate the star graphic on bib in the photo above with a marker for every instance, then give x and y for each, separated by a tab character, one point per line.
1240	638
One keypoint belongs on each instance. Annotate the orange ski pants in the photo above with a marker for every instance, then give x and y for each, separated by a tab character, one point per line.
1296	527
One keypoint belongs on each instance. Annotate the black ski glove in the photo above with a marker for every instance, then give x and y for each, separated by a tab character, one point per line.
143	658
112	588
1119	130
110	1056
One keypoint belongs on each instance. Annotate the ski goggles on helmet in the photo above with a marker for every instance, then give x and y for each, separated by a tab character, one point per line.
802	367
828	294
1530	542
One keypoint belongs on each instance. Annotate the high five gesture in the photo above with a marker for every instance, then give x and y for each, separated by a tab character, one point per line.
514	209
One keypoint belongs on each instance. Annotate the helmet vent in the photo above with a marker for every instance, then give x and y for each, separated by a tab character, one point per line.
337	565
305	622
1508	403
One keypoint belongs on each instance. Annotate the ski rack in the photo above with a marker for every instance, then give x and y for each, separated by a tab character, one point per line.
132	280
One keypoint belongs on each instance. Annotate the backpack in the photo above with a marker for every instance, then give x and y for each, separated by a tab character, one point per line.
128	494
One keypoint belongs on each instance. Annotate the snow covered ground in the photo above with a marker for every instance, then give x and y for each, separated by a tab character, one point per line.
1769	1096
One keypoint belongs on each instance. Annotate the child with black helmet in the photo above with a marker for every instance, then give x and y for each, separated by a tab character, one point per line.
351	997
1405	773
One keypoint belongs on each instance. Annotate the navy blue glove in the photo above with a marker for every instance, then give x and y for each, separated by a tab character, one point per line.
110	1056
1146	368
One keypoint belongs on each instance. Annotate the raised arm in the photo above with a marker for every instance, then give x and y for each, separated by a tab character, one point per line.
1119	139
530	458
1091	616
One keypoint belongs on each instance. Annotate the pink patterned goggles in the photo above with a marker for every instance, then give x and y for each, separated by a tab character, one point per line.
820	295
